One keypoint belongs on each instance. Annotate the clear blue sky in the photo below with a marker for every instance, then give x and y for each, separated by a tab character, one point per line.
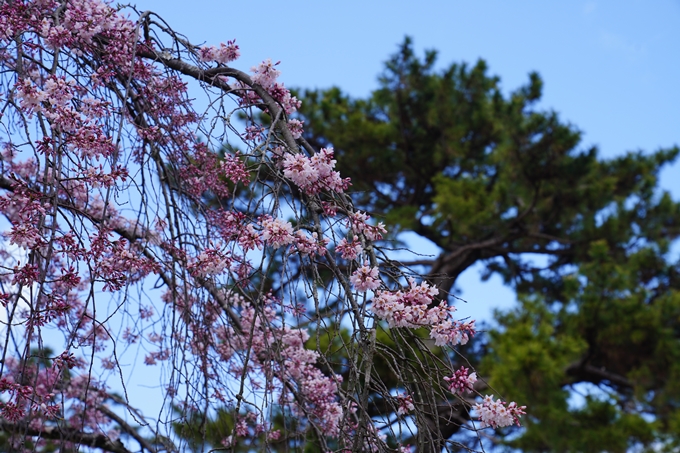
611	68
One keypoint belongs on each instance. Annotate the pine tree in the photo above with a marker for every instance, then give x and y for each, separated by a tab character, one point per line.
491	178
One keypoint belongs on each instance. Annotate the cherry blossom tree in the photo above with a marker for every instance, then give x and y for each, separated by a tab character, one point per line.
206	242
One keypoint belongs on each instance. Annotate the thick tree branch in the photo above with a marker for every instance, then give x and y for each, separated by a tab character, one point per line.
66	434
129	430
589	373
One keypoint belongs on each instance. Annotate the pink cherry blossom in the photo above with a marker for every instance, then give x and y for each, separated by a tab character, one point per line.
276	232
349	250
405	403
295	127
226	53
462	381
316	174
366	278
266	73
498	414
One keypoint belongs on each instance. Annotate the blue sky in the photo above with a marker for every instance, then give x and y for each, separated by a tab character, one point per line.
610	68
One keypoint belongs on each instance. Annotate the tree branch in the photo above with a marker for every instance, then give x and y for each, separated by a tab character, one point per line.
144	443
595	375
66	434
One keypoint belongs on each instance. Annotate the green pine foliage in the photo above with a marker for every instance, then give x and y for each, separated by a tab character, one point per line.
593	346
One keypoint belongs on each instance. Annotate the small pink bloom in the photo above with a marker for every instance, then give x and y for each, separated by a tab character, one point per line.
405	404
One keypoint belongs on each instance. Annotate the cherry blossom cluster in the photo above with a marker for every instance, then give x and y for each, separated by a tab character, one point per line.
405	404
53	99
18	399
64	181
310	245
206	173
118	263
315	394
366	278
274	356
278	91
296	128
209	262
265	74
452	332
276	232
26	208
412	308
247	425
358	222
64	207
225	53
349	250
38	403
235	228
498	414
111	182
314	174
462	381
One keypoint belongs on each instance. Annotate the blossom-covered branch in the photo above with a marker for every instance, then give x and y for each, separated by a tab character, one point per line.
217	250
